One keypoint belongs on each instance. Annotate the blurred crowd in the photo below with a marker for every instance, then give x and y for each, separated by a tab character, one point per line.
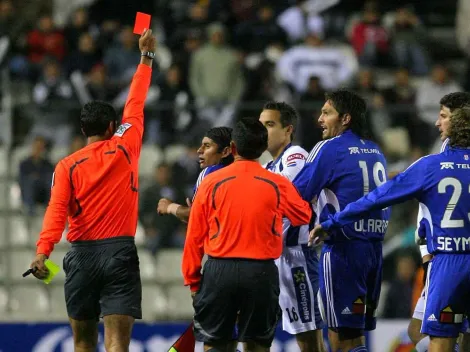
221	59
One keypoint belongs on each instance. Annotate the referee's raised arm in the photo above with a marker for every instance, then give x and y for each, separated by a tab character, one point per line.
236	219
96	190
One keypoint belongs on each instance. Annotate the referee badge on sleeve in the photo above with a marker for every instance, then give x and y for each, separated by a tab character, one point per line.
122	129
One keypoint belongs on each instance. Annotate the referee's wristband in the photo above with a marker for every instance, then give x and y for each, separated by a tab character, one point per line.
424	250
173	208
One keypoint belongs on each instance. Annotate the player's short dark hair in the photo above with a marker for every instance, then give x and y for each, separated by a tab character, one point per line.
250	138
95	118
222	136
289	116
455	100
347	102
459	129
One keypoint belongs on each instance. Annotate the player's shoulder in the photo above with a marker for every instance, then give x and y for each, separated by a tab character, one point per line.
209	172
324	147
294	152
445	145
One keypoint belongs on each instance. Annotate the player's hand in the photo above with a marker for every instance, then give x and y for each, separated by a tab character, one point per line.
147	41
38	263
163	204
316	236
188	202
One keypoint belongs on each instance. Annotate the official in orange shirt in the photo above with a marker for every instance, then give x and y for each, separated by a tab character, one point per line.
95	188
236	219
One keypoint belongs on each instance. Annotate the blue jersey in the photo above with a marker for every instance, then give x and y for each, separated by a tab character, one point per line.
206	171
339	171
441	183
445	145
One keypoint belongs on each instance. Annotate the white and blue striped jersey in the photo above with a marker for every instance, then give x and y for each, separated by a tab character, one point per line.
339	171
206	171
289	164
441	183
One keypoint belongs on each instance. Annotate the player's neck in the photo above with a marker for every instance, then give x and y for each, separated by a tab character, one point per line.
279	151
240	158
94	139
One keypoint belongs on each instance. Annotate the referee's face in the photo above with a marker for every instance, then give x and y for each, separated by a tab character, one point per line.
331	123
208	153
443	121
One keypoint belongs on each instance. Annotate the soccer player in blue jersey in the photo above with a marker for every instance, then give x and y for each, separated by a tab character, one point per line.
339	170
214	154
441	183
448	103
298	264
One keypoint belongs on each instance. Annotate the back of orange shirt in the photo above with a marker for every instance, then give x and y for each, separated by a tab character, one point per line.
237	213
97	187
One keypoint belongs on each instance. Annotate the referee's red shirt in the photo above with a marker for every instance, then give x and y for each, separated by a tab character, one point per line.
96	187
237	213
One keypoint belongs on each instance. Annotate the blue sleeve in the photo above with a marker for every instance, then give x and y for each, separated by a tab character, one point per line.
317	171
404	186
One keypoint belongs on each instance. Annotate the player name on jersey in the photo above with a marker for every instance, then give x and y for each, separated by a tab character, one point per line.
372	225
453	244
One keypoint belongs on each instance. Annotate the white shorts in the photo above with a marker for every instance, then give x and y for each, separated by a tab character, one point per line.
299	283
419	309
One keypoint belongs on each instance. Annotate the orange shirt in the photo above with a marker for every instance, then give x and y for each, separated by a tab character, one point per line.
96	187
237	213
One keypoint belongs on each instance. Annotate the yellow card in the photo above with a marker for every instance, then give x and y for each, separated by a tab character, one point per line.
53	270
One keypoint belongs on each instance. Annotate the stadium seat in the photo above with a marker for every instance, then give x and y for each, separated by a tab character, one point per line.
147	265
57	153
3	266
180	302
154	303
175	152
3	162
3	300
4	194
150	156
15	195
58	308
3	232
19	262
19	232
57	257
19	154
29	301
169	265
139	235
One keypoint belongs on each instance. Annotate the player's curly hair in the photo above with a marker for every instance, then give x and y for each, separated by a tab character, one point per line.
95	118
347	102
459	129
455	100
289	116
222	136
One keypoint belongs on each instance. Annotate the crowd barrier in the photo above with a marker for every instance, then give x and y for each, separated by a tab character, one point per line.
390	336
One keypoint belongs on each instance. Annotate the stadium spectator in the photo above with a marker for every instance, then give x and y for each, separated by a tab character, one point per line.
216	78
78	142
7	12
333	65
408	36
370	39
428	96
96	190
241	232
53	96
399	297
160	232
35	176
84	58
78	25
45	41
311	102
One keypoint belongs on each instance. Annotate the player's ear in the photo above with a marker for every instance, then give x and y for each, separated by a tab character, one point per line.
227	151
290	129
233	148
346	120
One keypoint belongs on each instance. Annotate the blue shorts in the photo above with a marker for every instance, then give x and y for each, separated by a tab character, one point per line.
350	281
447	296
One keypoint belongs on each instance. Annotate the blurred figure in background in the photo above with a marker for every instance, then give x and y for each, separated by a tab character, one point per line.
35	176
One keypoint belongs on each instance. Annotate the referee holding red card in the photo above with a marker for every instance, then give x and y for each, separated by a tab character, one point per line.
95	189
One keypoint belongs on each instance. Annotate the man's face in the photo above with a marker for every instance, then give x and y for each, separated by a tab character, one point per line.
208	153
278	136
330	121
443	122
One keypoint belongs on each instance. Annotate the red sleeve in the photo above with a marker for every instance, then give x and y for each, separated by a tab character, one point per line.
198	230
56	214
297	210
132	126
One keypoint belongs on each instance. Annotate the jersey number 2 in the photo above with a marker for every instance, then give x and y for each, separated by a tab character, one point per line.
378	173
456	185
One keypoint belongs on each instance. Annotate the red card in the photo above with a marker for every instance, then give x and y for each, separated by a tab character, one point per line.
142	21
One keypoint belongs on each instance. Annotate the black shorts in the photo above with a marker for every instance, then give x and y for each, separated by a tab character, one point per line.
103	278
231	288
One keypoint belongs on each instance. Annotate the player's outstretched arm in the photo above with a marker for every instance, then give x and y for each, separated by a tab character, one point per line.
132	127
166	206
403	187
